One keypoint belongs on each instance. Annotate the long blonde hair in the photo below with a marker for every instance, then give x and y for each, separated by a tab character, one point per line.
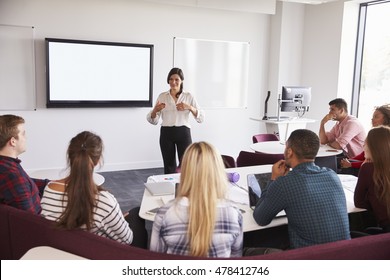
378	141
203	181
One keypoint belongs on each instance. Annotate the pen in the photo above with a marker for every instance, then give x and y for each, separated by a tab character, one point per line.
331	151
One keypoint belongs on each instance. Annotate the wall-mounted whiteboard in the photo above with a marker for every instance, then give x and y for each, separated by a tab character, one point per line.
17	68
215	72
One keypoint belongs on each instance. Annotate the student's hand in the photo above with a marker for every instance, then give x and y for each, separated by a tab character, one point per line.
279	169
327	118
345	163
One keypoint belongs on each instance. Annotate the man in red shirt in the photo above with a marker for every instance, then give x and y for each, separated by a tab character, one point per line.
17	189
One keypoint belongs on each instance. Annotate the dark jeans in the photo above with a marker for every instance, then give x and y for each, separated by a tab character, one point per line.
273	237
172	138
137	225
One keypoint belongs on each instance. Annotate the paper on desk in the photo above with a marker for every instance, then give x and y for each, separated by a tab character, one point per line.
348	181
173	178
238	195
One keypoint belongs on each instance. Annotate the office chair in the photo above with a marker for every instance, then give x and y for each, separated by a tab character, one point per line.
228	161
264	137
249	159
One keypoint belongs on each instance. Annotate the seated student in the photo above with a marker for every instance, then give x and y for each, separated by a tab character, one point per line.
17	189
312	197
77	202
381	116
373	187
200	221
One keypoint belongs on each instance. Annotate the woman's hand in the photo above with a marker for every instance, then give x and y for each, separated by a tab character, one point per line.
345	163
157	108
184	106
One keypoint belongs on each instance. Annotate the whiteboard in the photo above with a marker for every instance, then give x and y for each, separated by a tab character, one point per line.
215	72
17	68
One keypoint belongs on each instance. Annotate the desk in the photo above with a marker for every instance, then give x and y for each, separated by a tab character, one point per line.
54	174
276	147
239	196
284	127
49	253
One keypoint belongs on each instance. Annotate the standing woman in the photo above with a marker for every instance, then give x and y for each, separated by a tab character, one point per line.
174	108
373	187
77	202
200	221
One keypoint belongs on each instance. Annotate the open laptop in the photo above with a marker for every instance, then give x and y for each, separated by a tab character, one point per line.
161	188
256	184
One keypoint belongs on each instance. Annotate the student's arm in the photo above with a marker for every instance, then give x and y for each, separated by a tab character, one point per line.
236	250
157	243
270	204
115	225
20	191
322	133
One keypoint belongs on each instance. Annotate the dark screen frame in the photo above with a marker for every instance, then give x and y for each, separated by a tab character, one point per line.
51	103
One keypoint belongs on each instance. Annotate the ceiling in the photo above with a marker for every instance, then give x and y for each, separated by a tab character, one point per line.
313	2
253	6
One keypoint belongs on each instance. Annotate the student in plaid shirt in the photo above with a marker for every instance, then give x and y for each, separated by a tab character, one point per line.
200	221
17	189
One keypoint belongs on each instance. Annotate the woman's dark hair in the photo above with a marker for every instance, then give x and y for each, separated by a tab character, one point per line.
84	153
179	72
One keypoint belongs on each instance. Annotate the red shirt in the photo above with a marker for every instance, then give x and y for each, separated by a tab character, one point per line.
17	189
365	195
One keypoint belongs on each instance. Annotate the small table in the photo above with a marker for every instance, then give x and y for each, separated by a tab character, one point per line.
53	174
49	253
276	147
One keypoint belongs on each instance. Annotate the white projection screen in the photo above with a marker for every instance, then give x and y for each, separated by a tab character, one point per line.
98	74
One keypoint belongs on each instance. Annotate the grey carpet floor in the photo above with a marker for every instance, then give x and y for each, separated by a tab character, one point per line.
128	186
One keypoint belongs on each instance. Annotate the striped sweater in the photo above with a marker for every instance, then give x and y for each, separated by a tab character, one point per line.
108	220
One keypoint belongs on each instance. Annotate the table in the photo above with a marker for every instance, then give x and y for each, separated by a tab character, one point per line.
284	127
49	253
239	196
54	174
276	147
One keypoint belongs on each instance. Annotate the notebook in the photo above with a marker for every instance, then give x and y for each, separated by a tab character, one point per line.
161	188
257	183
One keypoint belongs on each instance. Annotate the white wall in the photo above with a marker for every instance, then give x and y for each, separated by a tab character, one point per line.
131	142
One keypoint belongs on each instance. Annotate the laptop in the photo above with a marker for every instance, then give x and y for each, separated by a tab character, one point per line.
256	184
161	188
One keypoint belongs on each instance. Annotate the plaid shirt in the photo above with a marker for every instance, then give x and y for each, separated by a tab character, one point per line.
169	233
314	201
17	188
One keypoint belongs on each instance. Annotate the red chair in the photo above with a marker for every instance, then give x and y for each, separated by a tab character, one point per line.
264	137
228	161
249	159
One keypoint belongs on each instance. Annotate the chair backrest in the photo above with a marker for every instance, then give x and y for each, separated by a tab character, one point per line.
228	161
329	161
249	159
264	137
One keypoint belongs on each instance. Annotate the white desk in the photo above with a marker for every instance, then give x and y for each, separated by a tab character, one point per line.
49	253
54	174
284	127
239	196
276	147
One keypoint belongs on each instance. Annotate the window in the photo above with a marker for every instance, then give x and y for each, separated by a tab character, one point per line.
372	64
